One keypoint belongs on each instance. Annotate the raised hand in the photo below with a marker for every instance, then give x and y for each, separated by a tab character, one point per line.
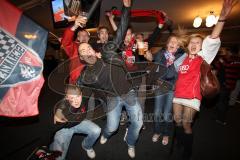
80	22
110	15
227	8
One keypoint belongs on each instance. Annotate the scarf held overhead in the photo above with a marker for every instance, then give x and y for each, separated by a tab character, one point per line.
144	13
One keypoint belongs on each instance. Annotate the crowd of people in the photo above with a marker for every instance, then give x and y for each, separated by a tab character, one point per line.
118	78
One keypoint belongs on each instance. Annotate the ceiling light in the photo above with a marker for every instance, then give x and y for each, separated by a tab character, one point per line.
30	36
197	22
210	20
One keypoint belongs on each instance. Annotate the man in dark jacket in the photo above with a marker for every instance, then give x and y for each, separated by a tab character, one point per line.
110	76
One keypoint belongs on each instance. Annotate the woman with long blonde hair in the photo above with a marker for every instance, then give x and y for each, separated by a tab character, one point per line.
187	95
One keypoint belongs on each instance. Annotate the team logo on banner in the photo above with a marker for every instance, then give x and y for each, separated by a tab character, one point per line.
18	63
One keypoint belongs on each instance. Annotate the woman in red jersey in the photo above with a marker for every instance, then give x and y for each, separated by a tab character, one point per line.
187	96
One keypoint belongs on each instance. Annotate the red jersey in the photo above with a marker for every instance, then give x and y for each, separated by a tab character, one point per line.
71	49
188	82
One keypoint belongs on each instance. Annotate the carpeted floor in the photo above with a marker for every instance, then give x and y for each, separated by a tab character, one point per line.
211	140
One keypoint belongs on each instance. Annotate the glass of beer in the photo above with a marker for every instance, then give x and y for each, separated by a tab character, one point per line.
140	46
84	15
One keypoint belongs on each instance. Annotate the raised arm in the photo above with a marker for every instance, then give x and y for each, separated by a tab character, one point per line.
211	44
226	10
156	33
67	41
154	36
111	20
123	25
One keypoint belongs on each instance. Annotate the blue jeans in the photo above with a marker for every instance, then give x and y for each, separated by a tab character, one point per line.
63	137
134	111
163	113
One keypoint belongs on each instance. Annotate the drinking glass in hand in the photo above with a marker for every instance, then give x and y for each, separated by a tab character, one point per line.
141	48
83	15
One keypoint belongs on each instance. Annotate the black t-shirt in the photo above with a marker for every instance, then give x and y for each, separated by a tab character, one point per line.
71	113
76	115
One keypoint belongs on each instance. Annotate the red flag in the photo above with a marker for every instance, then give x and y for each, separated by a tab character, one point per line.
22	48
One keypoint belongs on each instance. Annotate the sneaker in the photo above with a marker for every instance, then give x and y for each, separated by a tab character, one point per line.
155	137
90	152
125	135
165	140
131	152
44	153
39	154
103	140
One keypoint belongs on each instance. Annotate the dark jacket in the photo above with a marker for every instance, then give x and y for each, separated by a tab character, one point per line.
170	76
109	74
107	77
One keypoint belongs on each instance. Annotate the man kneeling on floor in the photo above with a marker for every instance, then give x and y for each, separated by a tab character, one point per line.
73	118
